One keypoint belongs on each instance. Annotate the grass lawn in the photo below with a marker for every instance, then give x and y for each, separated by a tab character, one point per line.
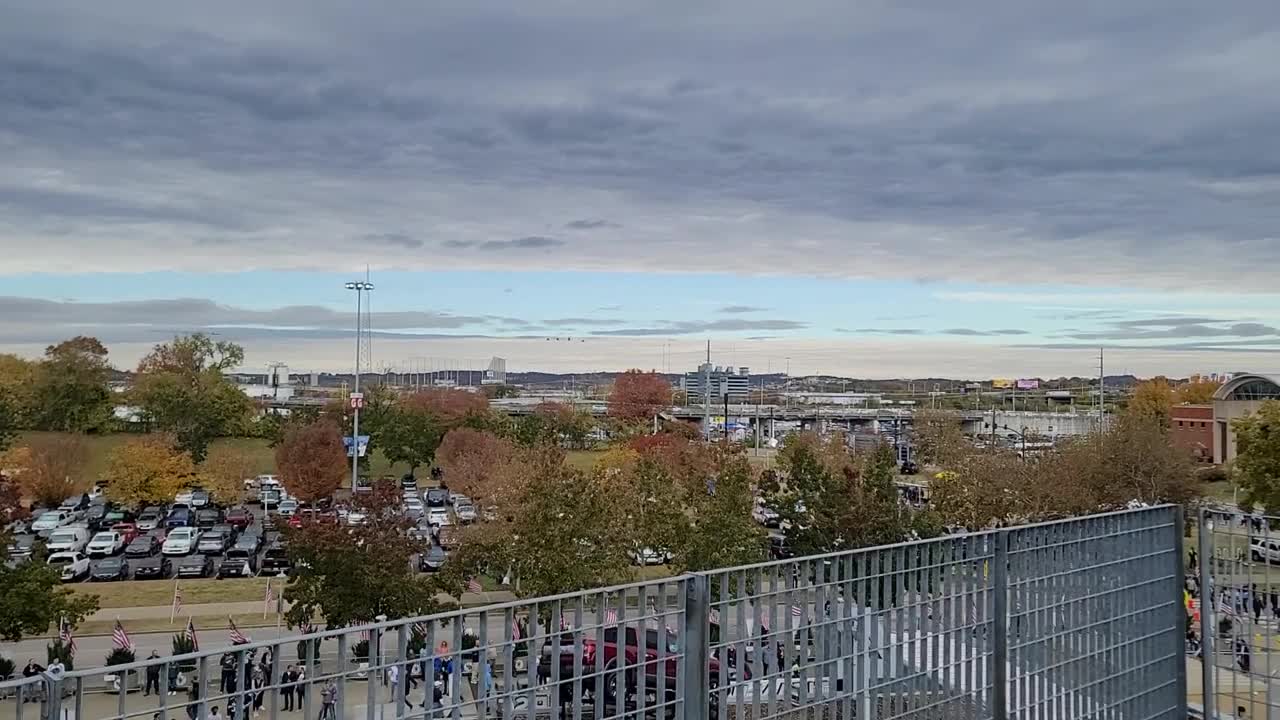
260	454
146	593
162	624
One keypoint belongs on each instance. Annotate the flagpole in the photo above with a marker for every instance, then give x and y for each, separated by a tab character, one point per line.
264	604
173	604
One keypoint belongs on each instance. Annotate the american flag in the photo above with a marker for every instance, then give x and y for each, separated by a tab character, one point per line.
764	620
269	598
65	637
515	628
120	639
177	599
715	616
797	611
237	637
1224	608
191	635
473	586
610	617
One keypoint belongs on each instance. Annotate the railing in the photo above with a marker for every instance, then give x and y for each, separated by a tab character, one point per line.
1080	618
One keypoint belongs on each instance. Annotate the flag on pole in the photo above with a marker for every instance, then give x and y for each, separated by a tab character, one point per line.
65	637
715	616
191	635
764	620
119	638
237	637
797	611
515	628
610	617
176	607
268	599
473	586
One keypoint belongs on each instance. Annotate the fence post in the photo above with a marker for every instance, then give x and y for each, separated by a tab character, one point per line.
1000	626
1207	612
53	707
1181	619
697	609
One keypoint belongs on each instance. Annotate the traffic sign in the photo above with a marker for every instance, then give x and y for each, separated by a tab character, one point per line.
357	401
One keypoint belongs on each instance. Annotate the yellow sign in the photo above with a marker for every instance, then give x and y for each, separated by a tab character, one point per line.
1002	383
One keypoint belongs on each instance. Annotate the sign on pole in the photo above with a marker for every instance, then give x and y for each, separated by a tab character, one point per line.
357	401
361	446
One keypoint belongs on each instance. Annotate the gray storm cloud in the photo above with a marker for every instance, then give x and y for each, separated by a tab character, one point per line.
1130	144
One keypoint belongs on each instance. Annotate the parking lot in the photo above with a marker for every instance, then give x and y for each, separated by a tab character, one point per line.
261	511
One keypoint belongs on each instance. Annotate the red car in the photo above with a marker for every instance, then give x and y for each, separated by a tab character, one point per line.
128	531
610	660
308	516
239	518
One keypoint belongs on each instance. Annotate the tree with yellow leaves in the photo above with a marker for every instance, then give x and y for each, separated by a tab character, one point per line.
147	470
223	473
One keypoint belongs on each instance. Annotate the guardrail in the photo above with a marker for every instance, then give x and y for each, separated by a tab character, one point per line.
1079	618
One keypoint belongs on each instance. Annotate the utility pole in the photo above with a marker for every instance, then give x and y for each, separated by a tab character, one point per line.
706	394
357	400
1102	391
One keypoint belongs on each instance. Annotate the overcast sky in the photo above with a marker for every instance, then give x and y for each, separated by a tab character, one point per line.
995	187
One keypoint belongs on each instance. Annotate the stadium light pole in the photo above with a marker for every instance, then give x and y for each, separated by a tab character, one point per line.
360	288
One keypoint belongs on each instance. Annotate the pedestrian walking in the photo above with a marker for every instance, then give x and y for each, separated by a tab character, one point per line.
1259	603
193	701
1191	559
153	675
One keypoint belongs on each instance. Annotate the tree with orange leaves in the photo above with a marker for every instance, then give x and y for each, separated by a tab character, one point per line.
638	396
312	460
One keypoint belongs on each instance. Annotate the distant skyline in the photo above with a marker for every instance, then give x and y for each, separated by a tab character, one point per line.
966	190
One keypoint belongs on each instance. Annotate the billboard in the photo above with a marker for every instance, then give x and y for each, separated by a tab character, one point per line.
1028	384
1002	383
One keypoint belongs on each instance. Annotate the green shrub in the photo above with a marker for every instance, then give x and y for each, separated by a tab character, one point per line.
120	656
7	668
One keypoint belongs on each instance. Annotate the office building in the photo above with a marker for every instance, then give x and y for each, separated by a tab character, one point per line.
721	381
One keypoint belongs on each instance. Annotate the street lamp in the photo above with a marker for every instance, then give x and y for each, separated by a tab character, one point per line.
357	400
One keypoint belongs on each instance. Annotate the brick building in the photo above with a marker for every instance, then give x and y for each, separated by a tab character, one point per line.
1191	428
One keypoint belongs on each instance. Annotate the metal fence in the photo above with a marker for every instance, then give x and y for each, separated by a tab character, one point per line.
1080	618
1234	595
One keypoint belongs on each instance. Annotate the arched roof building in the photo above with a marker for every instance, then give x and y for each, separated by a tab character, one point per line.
1239	396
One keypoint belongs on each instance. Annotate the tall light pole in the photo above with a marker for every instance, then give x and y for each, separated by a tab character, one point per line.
357	400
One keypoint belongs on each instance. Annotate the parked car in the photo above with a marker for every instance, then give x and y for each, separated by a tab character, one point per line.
23	546
436	497
76	503
456	499
433	559
447	537
276	560
409	482
465	512
156	567
208	517
110	569
438	516
104	544
179	517
160	534
239	518
355	517
151	518
239	562
142	547
564	651
213	542
199	498
96	515
287	507
68	539
183	498
413	508
181	541
73	565
200	566
117	515
128	531
51	520
646	556
250	542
